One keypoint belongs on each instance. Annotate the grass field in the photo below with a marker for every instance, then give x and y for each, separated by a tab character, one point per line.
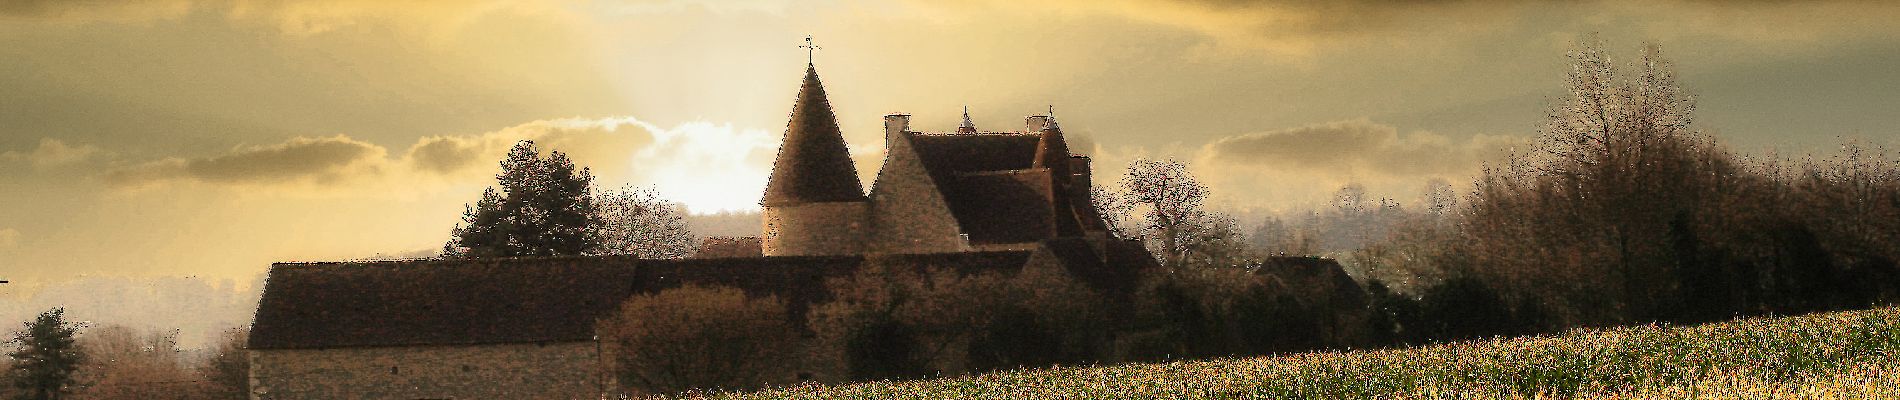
1853	354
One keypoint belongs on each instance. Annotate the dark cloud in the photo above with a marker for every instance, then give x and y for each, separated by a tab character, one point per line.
1356	146
91	10
317	160
52	153
444	155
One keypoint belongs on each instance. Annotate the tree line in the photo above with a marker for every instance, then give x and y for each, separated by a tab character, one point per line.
53	358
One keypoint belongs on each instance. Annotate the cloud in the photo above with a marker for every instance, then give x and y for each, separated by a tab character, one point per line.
52	153
9	237
290	17
1356	146
709	166
589	142
1301	166
322	161
92	10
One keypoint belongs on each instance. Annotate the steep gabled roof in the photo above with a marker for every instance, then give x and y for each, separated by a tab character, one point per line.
990	182
327	305
949	154
813	163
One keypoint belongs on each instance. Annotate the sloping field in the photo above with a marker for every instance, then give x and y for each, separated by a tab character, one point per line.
1853	354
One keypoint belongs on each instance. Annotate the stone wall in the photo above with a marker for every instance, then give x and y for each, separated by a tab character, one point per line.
814	229
499	371
908	214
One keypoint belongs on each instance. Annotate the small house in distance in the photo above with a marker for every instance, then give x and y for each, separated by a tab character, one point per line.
527	328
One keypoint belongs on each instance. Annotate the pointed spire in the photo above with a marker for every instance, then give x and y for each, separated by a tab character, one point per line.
1052	152
813	163
968	126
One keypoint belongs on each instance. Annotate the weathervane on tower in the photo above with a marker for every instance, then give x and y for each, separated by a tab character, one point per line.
810	48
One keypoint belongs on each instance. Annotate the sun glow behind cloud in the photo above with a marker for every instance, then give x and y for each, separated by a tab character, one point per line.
709	167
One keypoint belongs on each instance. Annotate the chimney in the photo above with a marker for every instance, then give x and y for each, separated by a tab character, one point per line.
1036	123
1079	168
895	125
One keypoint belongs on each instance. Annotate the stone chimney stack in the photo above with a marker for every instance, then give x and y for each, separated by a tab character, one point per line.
1036	123
895	125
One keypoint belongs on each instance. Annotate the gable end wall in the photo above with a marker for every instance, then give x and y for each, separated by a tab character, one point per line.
908	214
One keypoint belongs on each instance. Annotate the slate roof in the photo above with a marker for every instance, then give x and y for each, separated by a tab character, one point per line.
949	154
990	204
813	164
1005	207
1324	275
1036	201
529	300
324	305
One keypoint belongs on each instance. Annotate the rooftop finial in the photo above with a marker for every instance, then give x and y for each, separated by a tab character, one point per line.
809	49
968	125
1052	117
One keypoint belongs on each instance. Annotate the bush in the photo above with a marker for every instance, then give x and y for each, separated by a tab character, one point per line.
696	337
895	322
1212	312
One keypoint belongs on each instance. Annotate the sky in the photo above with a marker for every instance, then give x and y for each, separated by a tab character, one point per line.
205	139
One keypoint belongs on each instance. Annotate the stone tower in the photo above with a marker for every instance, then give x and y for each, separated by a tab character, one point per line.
813	204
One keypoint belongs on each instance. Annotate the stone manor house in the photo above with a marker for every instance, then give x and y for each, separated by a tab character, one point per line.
521	328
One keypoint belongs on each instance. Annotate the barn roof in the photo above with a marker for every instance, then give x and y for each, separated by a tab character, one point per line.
527	300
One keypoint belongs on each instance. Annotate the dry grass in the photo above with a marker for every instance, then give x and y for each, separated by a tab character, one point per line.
1853	354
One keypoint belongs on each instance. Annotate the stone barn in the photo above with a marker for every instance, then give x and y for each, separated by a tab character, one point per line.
526	328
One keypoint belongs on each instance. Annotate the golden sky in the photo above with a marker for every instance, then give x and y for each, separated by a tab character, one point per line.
210	138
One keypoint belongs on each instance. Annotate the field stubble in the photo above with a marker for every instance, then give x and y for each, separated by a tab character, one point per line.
1853	354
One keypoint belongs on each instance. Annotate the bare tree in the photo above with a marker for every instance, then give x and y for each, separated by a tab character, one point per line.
1173	222
1592	205
1115	212
1440	199
124	363
636	221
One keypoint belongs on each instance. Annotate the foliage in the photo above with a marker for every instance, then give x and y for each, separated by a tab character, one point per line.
638	222
1623	214
887	322
45	357
128	364
544	208
227	372
1837	355
696	337
1213	312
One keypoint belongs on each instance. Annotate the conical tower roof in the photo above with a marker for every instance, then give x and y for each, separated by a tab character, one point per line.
813	164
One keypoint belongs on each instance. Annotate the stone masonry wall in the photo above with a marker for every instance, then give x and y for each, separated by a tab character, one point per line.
814	229
908	215
498	371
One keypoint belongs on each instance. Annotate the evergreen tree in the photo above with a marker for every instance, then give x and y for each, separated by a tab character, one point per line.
45	357
544	208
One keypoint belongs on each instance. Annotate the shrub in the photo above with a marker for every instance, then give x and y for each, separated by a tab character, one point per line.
696	337
893	322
